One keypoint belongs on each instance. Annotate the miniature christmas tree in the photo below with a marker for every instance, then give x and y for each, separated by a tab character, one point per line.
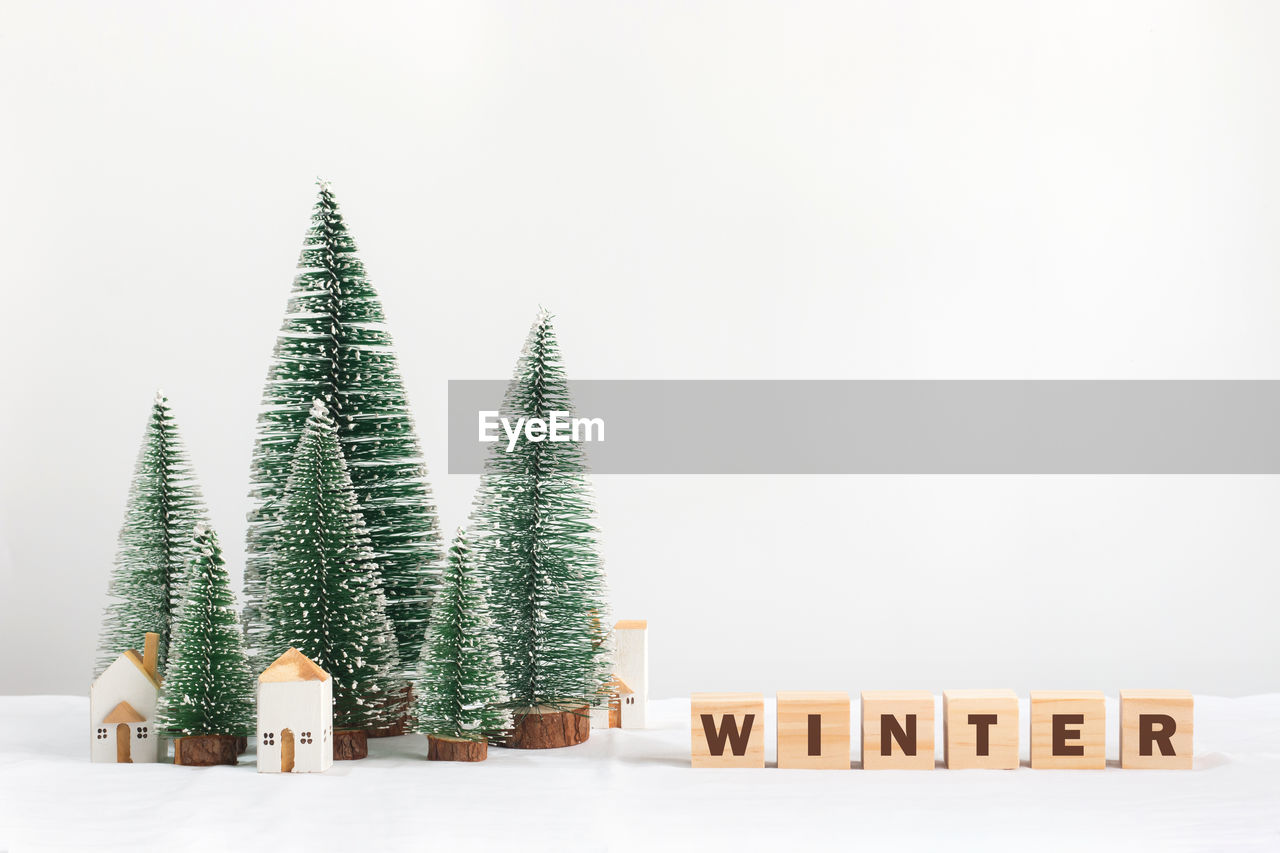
536	545
459	678
209	687
334	345
156	544
324	598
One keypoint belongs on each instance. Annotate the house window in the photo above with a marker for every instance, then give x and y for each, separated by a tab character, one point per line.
102	733
268	738
631	700
306	737
142	732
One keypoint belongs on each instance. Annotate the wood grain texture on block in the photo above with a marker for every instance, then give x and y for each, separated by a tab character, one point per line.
726	729
350	745
897	730
1068	730
549	728
204	750
1156	729
453	749
980	729
814	730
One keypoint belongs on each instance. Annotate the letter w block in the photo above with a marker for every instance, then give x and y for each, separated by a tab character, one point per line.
727	729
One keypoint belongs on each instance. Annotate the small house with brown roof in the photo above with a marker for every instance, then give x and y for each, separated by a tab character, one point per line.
295	716
122	708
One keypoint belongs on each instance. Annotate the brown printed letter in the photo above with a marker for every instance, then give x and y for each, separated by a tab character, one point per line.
984	722
891	731
728	731
1061	735
1147	733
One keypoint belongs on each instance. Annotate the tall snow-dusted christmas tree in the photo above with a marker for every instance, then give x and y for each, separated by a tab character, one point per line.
324	598
156	542
209	687
459	686
334	345
536	545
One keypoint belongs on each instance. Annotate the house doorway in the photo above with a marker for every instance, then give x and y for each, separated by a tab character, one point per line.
122	744
615	712
286	750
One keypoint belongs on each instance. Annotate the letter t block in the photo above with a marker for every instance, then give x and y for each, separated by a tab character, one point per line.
1068	730
980	729
727	729
813	730
897	730
1155	729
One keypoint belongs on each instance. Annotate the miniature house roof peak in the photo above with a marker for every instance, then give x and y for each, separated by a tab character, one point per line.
137	660
631	624
619	686
293	665
124	713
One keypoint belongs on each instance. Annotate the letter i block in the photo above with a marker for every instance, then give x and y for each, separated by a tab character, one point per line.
897	730
813	730
980	729
727	729
1068	730
1156	729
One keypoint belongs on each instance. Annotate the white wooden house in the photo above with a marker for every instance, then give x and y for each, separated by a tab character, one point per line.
631	642
122	708
295	716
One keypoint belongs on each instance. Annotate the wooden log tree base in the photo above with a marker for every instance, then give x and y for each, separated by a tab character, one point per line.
454	749
242	745
350	745
549	728
205	750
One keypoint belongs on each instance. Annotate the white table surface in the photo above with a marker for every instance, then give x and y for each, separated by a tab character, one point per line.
632	790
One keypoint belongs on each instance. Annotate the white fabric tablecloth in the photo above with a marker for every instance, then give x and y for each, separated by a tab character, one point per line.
632	790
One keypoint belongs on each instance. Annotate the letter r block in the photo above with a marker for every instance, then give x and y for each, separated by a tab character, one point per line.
1068	730
980	729
897	730
1156	729
727	729
813	730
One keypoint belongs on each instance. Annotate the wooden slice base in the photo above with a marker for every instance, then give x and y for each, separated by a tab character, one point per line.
549	728
453	749
204	750
350	745
242	745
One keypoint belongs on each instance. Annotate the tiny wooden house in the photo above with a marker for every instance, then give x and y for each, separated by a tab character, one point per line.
631	639
122	708
295	716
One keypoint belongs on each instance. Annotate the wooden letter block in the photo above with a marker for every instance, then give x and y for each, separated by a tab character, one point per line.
727	729
897	730
1068	730
813	730
1155	729
980	729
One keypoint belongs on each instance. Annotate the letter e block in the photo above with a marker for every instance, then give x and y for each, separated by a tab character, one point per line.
813	730
980	729
897	730
1068	730
1156	729
727	729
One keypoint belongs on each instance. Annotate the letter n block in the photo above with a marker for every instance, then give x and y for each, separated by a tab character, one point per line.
813	730
980	729
1068	730
727	729
1156	729
897	730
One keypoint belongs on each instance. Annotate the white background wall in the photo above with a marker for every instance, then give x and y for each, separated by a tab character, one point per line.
852	190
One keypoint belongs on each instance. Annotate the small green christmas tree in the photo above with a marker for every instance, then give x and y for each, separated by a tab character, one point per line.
156	544
458	691
334	345
324	599
536	545
209	687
